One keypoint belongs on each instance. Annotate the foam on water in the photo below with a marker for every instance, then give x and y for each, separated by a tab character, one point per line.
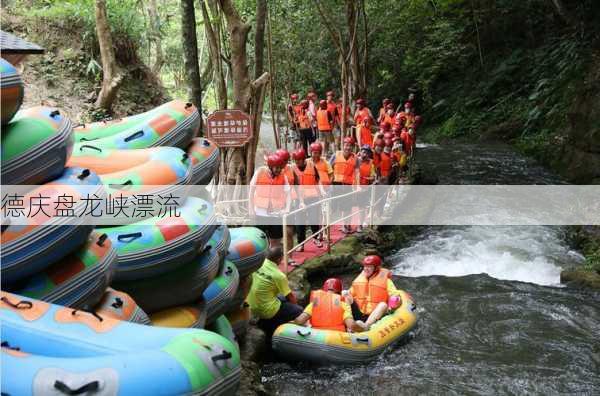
526	254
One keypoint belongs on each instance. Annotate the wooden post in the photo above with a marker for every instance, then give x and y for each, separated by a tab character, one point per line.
272	81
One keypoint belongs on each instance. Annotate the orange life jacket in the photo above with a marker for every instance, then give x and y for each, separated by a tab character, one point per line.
388	119
377	160
303	120
366	137
323	121
332	109
322	169
362	114
386	165
269	193
307	180
327	311
297	108
364	171
368	293
343	169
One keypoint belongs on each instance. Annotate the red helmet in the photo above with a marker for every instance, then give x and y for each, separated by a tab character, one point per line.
299	154
388	135
334	284
408	104
316	146
304	104
379	142
386	101
294	96
330	93
284	154
274	160
323	104
349	140
361	101
372	260
384	126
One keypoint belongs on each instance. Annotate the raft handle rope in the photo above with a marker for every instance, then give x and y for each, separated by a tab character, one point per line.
94	314
184	157
126	184
118	303
23	304
101	240
188	105
6	345
64	388
54	113
363	340
89	146
228	271
202	209
84	173
226	355
300	333
136	135
129	237
205	143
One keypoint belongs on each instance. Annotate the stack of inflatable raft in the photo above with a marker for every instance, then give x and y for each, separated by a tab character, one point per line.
178	270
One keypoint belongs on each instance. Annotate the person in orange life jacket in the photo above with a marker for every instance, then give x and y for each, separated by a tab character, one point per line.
399	157
389	116
305	134
382	110
270	298
332	108
344	164
364	134
311	190
362	112
400	120
327	309
323	167
406	142
409	114
370	292
325	124
269	198
385	168
293	110
297	200
377	150
412	140
366	175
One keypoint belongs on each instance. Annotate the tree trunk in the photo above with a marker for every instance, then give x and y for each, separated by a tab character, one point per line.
214	50
156	37
190	53
355	75
259	37
112	77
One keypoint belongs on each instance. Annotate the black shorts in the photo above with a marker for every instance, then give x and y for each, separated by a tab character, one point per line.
287	312
357	314
273	231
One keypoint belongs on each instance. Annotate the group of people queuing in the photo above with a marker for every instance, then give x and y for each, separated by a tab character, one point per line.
371	296
367	156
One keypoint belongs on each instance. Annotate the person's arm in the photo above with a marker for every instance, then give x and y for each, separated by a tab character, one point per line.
330	170
304	316
291	297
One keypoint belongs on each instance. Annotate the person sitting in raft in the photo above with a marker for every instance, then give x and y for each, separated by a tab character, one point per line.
270	298
370	291
327	309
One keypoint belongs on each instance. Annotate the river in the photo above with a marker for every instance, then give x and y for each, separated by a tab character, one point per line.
493	317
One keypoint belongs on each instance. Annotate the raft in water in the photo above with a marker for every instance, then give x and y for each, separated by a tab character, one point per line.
298	343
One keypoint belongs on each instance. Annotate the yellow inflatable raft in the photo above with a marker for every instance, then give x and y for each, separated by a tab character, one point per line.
298	343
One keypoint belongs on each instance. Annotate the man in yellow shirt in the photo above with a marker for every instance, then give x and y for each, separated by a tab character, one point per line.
327	310
270	298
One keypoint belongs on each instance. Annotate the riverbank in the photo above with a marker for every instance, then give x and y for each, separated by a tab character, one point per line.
586	239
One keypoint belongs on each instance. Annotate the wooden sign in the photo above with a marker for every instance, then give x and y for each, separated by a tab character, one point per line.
229	128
